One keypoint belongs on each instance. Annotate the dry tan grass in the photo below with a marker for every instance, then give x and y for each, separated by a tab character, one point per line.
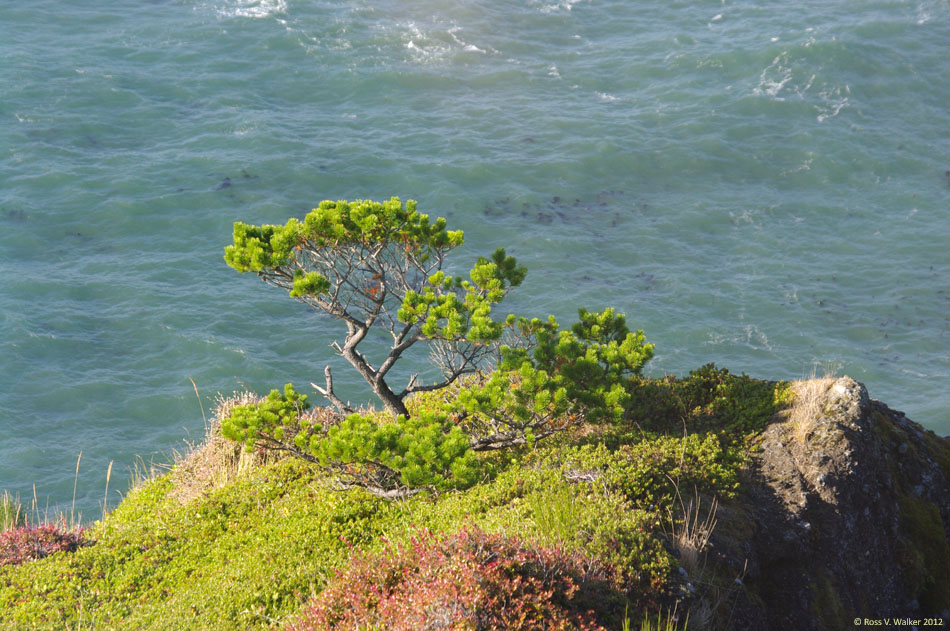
215	461
11	511
691	534
210	465
807	405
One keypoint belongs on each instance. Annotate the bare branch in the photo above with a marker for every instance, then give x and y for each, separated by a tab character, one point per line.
503	440
374	477
410	389
329	394
272	444
383	493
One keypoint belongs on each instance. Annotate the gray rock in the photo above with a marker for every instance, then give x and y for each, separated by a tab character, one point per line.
874	488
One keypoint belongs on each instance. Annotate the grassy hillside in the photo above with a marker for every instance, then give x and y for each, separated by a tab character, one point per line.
231	540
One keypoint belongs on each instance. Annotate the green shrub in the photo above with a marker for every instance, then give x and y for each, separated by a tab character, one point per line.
273	422
390	457
425	450
709	399
606	525
553	380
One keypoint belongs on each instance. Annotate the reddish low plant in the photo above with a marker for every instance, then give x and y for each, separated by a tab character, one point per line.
27	543
469	581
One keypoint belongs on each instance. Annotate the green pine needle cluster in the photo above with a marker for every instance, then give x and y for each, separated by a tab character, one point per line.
267	419
335	223
452	308
426	450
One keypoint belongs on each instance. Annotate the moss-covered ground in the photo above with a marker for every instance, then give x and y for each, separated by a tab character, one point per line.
249	553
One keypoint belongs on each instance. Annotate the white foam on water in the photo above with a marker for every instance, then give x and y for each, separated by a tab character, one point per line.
435	42
830	112
783	79
422	45
472	48
833	102
804	166
749	336
253	8
774	78
924	14
244	128
811	80
426	52
747	216
563	5
709	62
607	98
756	338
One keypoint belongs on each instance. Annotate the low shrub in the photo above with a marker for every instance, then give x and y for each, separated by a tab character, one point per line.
469	580
709	399
27	543
648	471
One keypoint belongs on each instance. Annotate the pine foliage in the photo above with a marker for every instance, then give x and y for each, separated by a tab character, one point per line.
379	266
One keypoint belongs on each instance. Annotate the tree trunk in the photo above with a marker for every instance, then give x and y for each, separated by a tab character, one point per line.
389	398
392	402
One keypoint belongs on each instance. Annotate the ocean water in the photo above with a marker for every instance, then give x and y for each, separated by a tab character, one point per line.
759	185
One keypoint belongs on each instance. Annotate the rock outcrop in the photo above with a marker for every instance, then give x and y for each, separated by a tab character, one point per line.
845	514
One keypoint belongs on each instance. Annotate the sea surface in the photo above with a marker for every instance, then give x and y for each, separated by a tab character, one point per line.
761	185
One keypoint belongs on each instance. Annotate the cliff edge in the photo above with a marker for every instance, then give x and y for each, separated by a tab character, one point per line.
833	510
844	514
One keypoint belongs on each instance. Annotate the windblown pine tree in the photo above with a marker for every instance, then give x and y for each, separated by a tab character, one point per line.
379	267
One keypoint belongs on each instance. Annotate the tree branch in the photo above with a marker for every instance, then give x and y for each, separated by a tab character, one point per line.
273	444
410	389
329	394
377	479
386	494
394	354
502	440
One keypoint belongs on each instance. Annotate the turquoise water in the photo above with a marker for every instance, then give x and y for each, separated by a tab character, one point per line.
761	186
